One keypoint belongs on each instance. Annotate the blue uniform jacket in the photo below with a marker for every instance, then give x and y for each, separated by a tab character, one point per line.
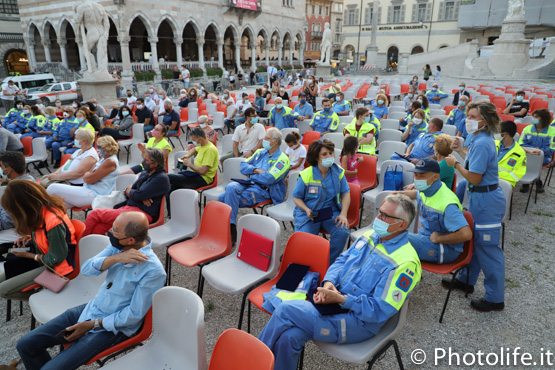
430	94
424	145
63	131
374	282
456	116
148	186
262	160
283	119
23	120
12	116
306	110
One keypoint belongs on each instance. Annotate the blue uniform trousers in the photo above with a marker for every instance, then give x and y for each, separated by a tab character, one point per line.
32	347
428	251
15	128
55	145
488	210
338	236
239	196
296	322
34	135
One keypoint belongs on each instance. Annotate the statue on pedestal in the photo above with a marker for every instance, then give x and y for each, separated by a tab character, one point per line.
516	9
326	46
92	27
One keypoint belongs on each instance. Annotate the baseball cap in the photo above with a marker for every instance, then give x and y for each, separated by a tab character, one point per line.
426	165
302	94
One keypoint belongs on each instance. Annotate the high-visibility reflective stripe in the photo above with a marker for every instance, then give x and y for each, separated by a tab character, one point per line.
490	226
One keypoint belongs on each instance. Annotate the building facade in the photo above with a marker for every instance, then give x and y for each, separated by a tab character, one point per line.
404	27
12	48
147	35
317	15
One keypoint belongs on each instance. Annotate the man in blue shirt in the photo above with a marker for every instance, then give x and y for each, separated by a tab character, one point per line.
281	116
435	95
341	107
134	274
304	109
457	116
169	118
423	146
325	120
63	135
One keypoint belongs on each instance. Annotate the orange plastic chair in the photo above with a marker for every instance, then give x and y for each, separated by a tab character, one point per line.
293	104
422	86
231	347
537	103
161	215
367	176
455	267
302	248
449	108
126	345
212	242
310	136
65	158
499	102
296	92
507	117
27	146
184	115
520	127
85	209
405	88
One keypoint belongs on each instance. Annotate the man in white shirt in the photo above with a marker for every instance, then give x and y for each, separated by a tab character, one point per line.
130	99
9	91
163	98
185	77
149	103
300	81
272	74
238	116
247	138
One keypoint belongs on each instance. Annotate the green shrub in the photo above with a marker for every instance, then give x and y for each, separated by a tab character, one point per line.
167	74
143	76
214	72
196	72
261	69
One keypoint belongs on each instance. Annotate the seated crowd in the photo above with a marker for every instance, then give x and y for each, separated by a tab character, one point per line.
83	140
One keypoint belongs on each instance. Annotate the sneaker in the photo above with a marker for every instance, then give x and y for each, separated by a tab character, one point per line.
539	185
482	305
525	188
57	164
446	283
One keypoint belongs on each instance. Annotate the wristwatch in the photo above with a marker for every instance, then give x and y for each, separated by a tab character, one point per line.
97	324
344	299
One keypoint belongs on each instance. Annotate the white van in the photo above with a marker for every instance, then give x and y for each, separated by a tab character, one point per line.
32	81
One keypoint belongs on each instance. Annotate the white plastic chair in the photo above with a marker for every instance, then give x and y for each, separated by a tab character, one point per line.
230	170
386	150
508	192
184	222
288	130
371	350
396	115
389	135
193	105
341	127
46	305
227	144
177	155
397	103
284	211
303	126
192	117
135	157
233	276
211	108
337	156
346	119
336	138
534	165
178	340
397	109
137	136
436	112
390	124
449	129
408	178
218	122
40	154
124	181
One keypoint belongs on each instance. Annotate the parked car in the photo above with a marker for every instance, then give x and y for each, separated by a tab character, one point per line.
65	91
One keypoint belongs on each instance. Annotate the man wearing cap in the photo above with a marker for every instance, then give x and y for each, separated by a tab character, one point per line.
443	228
423	146
304	108
238	115
435	95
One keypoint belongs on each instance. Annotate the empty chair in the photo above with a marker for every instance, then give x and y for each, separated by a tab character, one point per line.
396	115
392	124
346	119
137	136
178	340
341	127
218	122
287	130
408	178
387	149
533	173
284	211
227	144
135	157
336	138
303	126
234	276
389	135
231	169
40	154
449	130
237	350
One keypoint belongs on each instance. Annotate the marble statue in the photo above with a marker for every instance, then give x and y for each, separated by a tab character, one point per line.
326	46
92	18
516	9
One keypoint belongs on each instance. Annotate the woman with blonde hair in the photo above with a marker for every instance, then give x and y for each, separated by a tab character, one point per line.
442	148
101	180
380	107
47	231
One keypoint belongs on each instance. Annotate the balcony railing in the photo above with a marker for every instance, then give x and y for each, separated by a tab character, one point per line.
316	34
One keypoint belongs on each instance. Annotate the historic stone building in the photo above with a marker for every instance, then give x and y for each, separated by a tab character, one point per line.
12	49
152	35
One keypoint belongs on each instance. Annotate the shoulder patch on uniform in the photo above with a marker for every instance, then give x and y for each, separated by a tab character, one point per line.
397	296
511	162
404	282
277	168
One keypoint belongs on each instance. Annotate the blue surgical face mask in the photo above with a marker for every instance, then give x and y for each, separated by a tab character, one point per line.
266	144
279	106
462	103
367	119
535	121
339	99
303	101
327	110
434	89
254	120
380	227
101	153
328	162
195	143
4	175
410	95
125	113
519	98
76	143
147	98
79	119
380	102
225	95
421	185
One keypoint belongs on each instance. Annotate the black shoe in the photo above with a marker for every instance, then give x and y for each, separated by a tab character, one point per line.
42	164
57	164
539	185
233	233
525	188
446	283
482	305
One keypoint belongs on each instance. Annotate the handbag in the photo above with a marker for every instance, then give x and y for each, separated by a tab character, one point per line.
108	201
51	279
393	178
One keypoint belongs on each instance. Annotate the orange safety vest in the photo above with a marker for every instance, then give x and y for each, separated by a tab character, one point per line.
51	220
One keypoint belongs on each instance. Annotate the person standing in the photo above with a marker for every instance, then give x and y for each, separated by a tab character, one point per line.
427	72
9	91
544	46
185	77
487	206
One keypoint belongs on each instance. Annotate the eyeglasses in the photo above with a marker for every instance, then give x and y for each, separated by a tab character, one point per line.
384	216
321	141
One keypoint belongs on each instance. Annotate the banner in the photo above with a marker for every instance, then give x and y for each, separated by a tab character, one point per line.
467	2
245	4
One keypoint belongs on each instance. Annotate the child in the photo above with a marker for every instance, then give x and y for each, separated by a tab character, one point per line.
349	160
295	151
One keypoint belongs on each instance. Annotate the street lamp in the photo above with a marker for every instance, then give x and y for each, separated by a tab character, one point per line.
431	20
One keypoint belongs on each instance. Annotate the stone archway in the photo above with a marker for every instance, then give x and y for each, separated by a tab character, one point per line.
12	54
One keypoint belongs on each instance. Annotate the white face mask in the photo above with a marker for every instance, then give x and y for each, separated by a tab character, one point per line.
140	106
202	125
471	126
74	106
417	121
151	90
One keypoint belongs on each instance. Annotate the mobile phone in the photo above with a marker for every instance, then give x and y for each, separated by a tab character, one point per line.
403	156
24	249
314	214
64	333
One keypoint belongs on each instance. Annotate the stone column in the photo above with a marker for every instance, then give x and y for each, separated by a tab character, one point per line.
31	57
253	55
280	52
372	50
127	73
178	51
238	54
155	66
291	48
267	45
301	53
46	45
82	59
221	53
63	43
200	44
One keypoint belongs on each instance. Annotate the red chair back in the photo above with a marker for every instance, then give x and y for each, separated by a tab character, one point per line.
537	103
201	107
27	146
520	127
296	92
507	117
499	102
422	86
293	104
405	88
203	112
161	215
449	108
184	115
310	136
65	158
353	213
228	353
367	172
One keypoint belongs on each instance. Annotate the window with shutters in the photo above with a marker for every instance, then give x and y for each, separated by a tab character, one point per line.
368	14
450	10
320	10
338	27
9	7
351	16
313	10
396	18
421	12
